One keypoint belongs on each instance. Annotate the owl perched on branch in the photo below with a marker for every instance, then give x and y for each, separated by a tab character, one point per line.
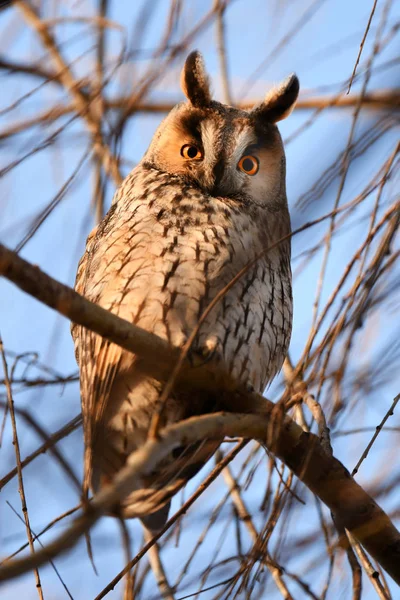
207	198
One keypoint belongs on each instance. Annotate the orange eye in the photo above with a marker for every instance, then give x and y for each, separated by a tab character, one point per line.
249	164
191	152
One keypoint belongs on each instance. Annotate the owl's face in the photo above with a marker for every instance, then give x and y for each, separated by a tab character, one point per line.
224	151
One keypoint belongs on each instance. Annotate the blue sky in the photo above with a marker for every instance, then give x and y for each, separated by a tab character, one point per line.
322	54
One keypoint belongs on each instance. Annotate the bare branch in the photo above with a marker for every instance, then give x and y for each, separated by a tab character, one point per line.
324	475
82	104
21	487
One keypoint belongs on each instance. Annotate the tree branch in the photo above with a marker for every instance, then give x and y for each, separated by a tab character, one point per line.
157	356
81	104
385	100
302	452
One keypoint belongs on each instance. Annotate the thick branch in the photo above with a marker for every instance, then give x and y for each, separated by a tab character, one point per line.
158	358
385	100
388	100
302	452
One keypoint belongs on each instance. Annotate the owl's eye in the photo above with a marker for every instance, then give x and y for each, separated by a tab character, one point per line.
249	164
191	152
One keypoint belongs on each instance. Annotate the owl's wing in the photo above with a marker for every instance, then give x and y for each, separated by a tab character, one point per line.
98	360
99	366
80	281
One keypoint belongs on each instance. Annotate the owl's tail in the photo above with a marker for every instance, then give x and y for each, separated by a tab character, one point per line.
156	520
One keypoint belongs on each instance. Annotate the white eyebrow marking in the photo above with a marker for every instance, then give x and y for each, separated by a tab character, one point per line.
208	134
245	138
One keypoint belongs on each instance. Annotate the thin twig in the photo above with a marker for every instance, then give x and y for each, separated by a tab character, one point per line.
220	6
184	508
82	104
35	537
379	428
21	488
372	573
244	515
158	568
49	443
371	16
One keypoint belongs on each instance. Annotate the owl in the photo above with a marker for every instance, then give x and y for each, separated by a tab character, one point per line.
207	198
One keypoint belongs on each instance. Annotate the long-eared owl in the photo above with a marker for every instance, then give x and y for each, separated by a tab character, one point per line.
206	199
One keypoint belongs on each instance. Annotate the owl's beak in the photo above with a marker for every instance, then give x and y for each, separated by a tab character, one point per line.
219	190
219	183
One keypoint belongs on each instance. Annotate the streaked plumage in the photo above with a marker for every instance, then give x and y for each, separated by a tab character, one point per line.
179	229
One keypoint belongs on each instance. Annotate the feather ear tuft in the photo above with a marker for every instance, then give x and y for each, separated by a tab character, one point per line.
194	81
279	102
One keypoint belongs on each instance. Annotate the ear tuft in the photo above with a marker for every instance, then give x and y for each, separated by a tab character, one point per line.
194	81
279	102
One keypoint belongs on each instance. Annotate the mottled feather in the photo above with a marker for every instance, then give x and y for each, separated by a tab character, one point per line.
179	229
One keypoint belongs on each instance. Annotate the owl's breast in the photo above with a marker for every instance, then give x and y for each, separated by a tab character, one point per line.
166	256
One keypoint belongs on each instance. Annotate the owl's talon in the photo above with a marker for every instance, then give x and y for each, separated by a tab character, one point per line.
204	354
209	348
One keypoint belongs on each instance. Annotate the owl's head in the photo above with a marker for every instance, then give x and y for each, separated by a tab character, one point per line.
225	151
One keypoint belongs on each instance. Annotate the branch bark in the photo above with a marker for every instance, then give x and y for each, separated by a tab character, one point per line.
302	452
157	358
81	103
385	100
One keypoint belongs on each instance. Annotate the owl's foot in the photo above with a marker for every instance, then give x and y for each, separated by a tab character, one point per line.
201	355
